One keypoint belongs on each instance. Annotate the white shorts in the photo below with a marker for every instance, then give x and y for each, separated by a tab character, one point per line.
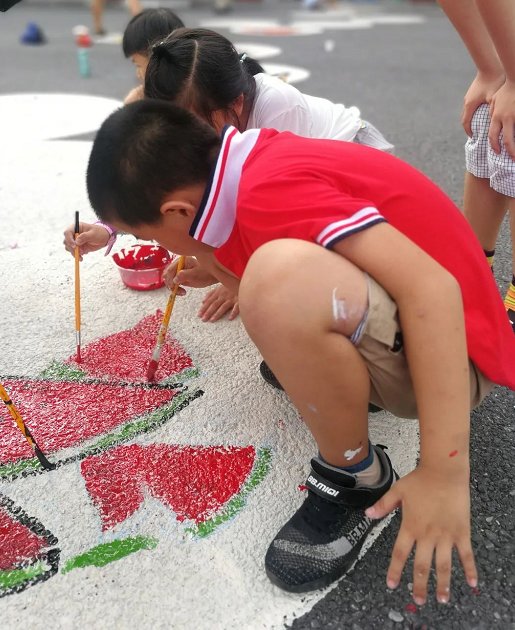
481	160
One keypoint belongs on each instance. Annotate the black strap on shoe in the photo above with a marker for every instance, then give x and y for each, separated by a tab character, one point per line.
346	491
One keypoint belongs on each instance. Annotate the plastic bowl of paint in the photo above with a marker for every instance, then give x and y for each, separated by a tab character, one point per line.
141	266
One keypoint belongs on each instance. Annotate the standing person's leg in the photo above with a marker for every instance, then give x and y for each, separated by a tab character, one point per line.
134	7
483	206
303	323
97	13
509	299
222	6
484	209
502	180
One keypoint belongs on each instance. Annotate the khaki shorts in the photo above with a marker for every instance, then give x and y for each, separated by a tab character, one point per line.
381	347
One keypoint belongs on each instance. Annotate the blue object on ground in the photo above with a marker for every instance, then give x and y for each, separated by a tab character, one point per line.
32	34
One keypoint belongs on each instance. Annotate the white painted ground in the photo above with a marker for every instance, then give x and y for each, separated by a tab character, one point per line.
51	116
309	23
216	582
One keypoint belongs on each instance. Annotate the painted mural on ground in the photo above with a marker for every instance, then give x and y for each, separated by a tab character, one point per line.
165	496
87	412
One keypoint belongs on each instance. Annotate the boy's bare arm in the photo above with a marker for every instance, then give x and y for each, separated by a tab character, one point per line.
435	497
199	271
223	275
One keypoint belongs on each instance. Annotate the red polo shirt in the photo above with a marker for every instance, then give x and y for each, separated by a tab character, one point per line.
268	185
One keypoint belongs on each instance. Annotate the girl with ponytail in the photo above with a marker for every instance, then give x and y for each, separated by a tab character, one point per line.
201	71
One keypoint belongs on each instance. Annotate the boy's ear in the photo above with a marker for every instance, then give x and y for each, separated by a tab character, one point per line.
178	208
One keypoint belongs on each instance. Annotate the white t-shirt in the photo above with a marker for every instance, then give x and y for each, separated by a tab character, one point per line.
278	105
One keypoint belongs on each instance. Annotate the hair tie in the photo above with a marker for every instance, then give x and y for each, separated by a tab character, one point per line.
159	49
243	56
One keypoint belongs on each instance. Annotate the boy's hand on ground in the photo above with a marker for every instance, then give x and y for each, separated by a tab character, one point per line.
502	112
435	518
481	91
192	275
91	238
216	304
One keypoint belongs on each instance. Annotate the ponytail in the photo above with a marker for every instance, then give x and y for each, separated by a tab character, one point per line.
200	70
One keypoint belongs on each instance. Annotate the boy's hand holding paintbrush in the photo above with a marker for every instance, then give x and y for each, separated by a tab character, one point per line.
192	275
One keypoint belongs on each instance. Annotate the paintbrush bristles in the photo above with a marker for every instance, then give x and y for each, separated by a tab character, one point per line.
151	370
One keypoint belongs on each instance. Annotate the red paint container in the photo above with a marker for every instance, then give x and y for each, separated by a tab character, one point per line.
141	266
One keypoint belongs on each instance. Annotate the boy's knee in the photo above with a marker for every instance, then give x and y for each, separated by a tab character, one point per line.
271	268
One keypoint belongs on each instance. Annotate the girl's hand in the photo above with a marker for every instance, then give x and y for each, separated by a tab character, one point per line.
502	112
217	303
435	518
192	275
92	237
481	91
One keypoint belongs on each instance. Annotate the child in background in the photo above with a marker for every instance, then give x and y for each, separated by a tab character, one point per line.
487	27
330	240
141	32
201	71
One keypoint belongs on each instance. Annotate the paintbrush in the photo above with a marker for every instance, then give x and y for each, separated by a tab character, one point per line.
24	429
161	336
77	288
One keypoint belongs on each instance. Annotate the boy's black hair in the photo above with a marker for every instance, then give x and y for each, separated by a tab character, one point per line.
143	152
147	27
201	71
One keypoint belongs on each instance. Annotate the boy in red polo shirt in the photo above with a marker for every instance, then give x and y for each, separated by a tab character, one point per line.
351	295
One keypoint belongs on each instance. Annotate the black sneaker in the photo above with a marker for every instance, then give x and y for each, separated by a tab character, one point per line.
271	379
323	538
269	376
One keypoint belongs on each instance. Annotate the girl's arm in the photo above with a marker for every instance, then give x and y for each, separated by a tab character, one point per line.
468	21
499	18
